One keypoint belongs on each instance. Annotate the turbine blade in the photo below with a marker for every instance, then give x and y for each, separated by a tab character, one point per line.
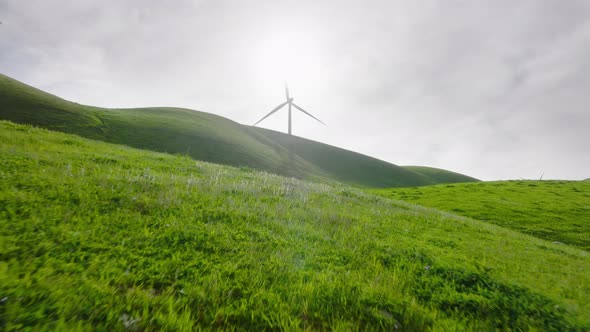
302	110
287	90
271	112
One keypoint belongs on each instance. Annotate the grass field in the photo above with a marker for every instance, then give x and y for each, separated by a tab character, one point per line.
206	137
96	236
553	210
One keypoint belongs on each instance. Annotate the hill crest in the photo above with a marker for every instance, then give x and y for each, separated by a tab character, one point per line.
207	137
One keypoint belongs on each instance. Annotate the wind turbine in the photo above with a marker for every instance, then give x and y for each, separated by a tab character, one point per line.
290	103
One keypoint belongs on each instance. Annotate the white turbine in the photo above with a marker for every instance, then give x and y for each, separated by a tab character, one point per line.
290	103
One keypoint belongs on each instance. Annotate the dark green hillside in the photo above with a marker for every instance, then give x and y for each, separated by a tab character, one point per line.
24	104
552	210
347	166
202	136
103	237
437	175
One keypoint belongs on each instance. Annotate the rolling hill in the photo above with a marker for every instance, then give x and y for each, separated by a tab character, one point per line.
207	137
440	176
553	210
99	236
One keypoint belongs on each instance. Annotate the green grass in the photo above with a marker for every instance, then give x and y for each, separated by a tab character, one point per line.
552	210
347	166
202	136
97	236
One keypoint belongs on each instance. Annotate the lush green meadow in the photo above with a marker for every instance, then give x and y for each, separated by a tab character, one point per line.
553	210
95	236
207	137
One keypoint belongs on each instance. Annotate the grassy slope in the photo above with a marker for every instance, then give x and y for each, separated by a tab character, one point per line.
439	176
173	130
553	210
201	135
346	166
101	236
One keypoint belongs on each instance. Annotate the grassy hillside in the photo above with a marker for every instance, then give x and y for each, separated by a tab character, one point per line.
95	236
439	176
202	136
552	210
346	166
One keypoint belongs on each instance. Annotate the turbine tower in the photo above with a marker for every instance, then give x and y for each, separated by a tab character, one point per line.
290	103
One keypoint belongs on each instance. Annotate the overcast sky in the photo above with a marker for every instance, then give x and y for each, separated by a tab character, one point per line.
496	89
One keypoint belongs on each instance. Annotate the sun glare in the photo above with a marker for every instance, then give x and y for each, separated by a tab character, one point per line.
291	55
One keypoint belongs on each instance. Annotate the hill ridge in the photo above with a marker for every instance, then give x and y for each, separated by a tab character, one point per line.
441	175
204	136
